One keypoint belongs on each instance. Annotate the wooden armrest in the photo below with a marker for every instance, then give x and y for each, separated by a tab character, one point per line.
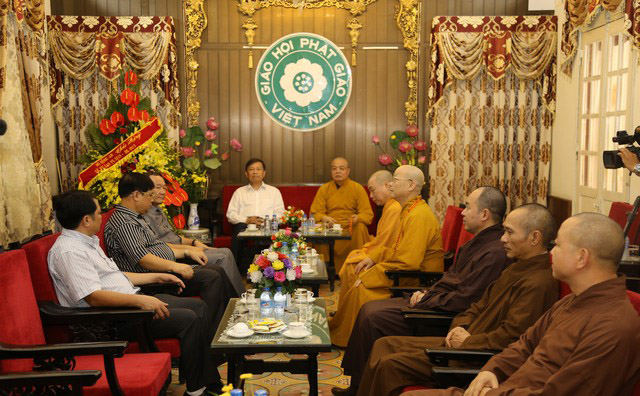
399	291
425	278
441	356
454	376
152	289
109	348
52	313
78	378
428	325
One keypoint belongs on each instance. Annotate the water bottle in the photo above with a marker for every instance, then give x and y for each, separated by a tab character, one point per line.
305	224
236	392
279	302
267	224
312	223
625	255
294	253
260	392
274	223
285	248
266	303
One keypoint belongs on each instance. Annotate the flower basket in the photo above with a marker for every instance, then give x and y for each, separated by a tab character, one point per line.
290	237
273	269
292	218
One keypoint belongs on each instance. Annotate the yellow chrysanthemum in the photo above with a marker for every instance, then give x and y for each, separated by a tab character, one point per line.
278	265
253	268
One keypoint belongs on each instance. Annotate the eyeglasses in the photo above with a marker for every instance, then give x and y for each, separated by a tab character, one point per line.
149	193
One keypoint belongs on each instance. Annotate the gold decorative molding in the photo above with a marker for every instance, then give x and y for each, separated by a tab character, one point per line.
250	26
408	20
354	33
195	23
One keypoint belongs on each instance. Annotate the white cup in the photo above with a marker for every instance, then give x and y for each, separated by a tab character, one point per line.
240	328
297	328
337	227
252	227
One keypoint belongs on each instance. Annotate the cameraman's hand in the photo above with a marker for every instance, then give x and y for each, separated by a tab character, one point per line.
629	159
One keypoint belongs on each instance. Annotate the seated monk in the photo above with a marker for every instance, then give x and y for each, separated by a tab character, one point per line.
344	202
386	235
479	262
418	246
587	343
522	293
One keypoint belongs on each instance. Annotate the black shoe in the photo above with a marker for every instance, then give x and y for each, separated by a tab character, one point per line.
350	391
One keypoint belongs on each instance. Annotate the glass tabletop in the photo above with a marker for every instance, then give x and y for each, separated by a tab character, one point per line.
319	338
318	235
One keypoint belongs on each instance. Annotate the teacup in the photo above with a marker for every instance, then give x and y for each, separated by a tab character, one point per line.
240	329
307	294
252	227
297	328
337	227
250	294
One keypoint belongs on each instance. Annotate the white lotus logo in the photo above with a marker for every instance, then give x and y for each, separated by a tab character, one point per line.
303	82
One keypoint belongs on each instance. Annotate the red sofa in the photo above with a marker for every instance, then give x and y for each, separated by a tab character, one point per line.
297	196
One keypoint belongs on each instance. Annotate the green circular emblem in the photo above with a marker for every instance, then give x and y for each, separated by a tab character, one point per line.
303	81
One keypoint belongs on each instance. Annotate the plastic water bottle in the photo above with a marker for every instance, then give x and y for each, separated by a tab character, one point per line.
312	223
260	392
625	255
274	223
294	253
266	303
267	224
236	392
285	248
305	224
279	302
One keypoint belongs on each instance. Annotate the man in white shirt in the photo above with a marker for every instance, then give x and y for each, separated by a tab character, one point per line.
251	203
84	276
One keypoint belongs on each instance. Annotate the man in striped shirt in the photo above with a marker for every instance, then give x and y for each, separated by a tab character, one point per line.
84	276
134	247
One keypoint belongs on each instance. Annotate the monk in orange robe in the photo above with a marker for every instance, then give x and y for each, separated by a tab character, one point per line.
344	202
417	246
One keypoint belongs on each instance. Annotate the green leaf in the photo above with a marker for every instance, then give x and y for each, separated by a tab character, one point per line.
212	163
396	137
194	134
191	163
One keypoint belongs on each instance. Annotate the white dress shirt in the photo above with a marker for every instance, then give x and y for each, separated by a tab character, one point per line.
247	201
78	267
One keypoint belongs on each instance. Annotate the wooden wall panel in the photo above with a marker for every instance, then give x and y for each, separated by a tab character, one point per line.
226	89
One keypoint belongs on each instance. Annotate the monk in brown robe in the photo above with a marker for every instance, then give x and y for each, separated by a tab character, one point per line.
417	246
522	293
345	202
479	262
587	343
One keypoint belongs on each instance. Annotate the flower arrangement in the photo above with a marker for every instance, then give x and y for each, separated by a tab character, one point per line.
199	155
409	150
290	238
126	114
274	269
292	218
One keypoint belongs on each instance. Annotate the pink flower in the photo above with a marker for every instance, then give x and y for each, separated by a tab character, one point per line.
412	130
188	151
385	159
375	139
404	146
404	162
422	159
287	232
225	156
212	124
280	276
210	135
298	272
182	133
208	153
235	144
420	145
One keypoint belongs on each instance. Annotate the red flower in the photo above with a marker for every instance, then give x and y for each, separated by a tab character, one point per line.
144	115
279	276
106	127
385	159
375	139
262	262
420	145
225	156
235	144
136	100
117	119
179	221
133	114
212	124
404	146
126	96
123	131
282	256
117	140
412	130
130	78
273	237
188	151
298	272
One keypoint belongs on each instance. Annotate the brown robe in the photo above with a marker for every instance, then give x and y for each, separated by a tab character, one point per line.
523	292
584	345
479	262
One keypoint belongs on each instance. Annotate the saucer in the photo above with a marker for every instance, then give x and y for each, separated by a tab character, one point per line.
288	333
231	333
307	270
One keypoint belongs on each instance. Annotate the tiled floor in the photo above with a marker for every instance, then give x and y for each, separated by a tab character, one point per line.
285	384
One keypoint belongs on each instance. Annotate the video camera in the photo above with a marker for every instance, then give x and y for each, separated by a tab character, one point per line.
611	158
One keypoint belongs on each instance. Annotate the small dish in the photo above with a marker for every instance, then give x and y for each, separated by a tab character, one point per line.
302	334
233	334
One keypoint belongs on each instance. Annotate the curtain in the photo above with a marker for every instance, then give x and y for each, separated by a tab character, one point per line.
25	195
491	105
87	55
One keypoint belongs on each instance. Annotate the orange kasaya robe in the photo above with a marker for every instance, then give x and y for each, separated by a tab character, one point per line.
341	203
418	246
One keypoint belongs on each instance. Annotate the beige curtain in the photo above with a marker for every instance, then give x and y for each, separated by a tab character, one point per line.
87	56
491	105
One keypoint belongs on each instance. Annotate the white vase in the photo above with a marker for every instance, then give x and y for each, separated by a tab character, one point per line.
194	220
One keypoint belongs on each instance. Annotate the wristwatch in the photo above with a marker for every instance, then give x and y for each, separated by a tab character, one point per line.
636	169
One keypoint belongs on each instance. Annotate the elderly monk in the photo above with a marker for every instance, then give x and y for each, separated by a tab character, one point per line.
479	262
344	202
363	259
587	343
418	246
522	293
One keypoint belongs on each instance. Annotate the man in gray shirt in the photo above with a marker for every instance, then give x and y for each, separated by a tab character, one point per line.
84	276
219	257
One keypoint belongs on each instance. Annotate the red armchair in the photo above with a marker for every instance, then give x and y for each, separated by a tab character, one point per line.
22	343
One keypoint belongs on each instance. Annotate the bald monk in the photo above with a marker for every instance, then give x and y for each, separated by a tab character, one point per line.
587	343
522	293
418	246
344	202
386	235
